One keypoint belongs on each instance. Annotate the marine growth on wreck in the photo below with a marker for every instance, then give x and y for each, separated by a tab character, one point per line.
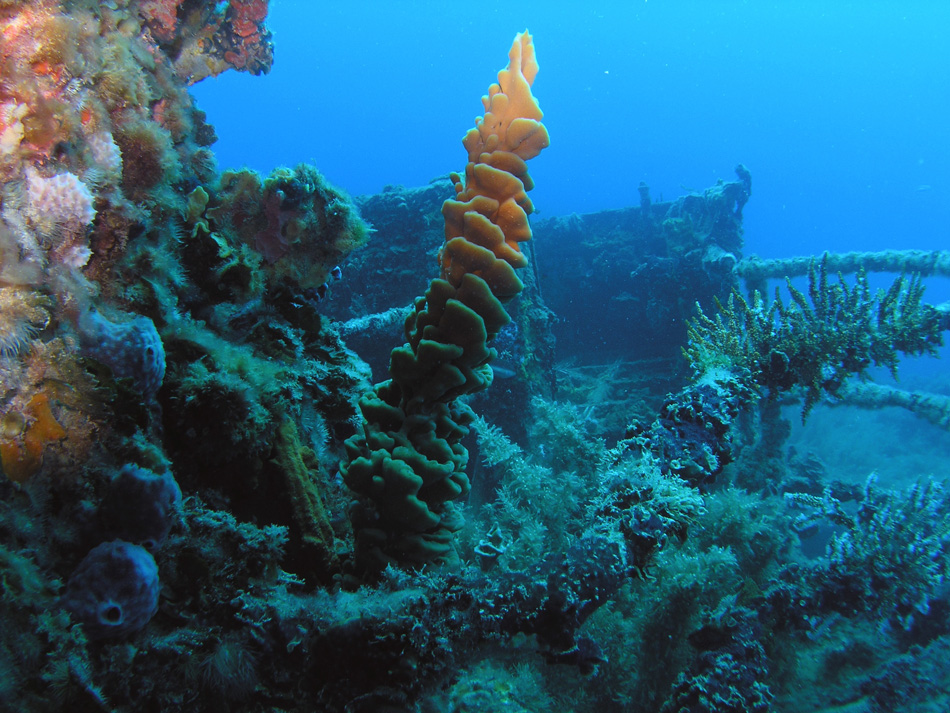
267	447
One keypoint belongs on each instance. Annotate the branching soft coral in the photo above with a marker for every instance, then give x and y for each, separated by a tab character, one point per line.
890	557
816	341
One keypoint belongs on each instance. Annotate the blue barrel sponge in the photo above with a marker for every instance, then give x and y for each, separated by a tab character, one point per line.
132	349
141	506
114	590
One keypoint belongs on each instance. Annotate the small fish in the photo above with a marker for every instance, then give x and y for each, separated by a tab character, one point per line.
317	293
501	371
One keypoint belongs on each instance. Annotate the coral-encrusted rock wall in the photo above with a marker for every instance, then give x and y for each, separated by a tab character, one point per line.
154	314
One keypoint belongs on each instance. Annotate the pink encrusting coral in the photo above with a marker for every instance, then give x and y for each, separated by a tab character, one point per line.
58	200
105	154
247	39
60	208
161	17
209	38
11	126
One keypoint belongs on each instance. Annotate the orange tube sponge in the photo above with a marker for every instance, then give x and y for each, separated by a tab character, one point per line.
408	464
490	213
484	226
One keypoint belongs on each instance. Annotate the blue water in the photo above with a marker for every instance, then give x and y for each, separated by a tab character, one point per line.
840	109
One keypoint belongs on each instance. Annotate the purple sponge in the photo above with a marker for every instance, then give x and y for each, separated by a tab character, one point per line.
132	349
114	590
141	506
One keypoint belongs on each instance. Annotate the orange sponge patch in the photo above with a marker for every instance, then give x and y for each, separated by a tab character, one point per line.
21	454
